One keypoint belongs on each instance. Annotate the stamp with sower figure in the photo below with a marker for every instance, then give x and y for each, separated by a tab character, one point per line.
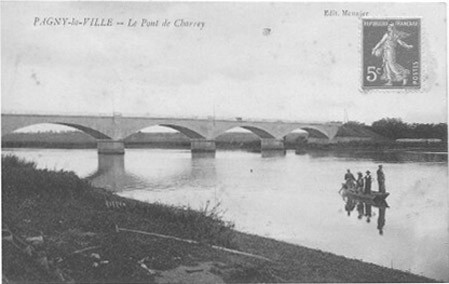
391	53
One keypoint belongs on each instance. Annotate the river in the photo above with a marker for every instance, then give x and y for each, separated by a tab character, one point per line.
293	198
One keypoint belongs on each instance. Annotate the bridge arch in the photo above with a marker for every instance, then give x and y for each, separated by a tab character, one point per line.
315	131
323	132
311	130
280	130
257	130
184	130
90	131
187	131
262	133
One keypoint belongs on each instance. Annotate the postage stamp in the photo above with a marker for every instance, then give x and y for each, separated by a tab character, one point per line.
391	53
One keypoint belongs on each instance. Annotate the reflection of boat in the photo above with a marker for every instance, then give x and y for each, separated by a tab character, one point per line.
364	204
373	196
378	203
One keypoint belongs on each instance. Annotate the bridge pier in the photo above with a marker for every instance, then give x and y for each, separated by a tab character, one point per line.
271	147
111	147
111	172
202	146
272	144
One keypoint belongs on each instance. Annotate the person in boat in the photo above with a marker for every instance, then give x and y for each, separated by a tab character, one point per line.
368	180
381	179
350	180
360	182
349	175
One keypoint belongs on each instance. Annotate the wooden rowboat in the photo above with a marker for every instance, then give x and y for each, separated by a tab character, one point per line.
373	196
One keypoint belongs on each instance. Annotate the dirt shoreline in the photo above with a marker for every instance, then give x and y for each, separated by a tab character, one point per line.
58	229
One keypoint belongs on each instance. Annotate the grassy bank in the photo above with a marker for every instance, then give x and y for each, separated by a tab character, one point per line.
57	228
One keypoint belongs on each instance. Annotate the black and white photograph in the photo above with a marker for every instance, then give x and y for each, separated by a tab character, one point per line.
224	142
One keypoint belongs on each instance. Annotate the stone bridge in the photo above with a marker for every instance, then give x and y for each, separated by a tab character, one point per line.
110	131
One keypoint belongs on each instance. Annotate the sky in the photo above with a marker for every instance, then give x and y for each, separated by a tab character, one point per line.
285	61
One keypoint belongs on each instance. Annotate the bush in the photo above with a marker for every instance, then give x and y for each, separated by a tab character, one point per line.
205	225
22	180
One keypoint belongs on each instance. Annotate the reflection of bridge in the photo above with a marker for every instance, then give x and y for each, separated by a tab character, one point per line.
110	131
112	175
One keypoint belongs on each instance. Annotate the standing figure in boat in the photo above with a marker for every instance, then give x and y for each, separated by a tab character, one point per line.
386	48
368	182
350	180
381	179
349	175
360	182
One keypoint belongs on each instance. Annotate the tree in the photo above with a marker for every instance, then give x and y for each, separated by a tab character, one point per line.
394	128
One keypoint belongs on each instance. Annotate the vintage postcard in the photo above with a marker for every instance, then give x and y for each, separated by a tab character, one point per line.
224	142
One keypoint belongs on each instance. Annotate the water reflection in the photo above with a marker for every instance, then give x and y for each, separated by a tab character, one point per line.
368	213
112	175
273	153
364	210
381	220
202	168
203	155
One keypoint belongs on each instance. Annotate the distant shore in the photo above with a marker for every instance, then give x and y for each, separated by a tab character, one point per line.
228	141
59	228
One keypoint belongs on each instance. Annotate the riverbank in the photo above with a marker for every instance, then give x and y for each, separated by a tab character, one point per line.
64	230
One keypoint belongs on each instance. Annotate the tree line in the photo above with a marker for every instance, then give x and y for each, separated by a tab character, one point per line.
395	128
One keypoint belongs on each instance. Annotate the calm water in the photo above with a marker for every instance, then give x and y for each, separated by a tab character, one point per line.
292	198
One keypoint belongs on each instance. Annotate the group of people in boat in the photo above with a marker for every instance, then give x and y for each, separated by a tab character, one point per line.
363	183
